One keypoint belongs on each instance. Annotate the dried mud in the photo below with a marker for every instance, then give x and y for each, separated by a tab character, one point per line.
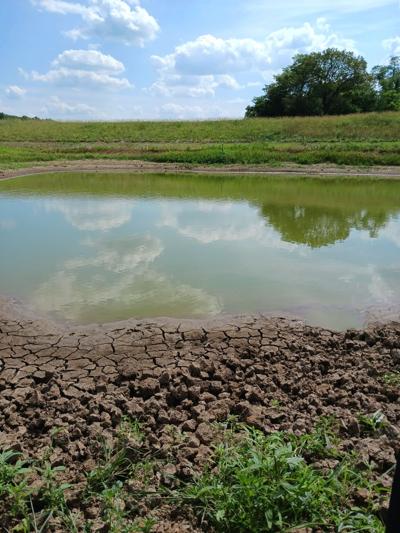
273	373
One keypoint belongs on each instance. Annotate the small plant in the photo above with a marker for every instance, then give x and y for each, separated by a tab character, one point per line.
118	460
130	430
51	496
11	469
14	485
115	466
374	423
276	404
391	378
117	513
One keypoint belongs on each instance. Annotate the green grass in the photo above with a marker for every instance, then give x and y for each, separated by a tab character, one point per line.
361	127
370	139
265	483
274	154
253	483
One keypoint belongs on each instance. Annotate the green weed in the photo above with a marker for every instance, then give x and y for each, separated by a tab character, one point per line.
373	423
391	378
264	484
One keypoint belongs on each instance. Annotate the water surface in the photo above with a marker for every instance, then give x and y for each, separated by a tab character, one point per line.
98	248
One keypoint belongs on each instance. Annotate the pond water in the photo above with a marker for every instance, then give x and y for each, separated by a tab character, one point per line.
99	248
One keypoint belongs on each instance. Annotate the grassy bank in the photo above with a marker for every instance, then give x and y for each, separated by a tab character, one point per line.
370	139
251	482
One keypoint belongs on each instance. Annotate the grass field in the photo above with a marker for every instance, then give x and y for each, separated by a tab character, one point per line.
370	139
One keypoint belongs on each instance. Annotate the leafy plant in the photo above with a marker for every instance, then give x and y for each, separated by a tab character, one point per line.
264	484
391	378
373	423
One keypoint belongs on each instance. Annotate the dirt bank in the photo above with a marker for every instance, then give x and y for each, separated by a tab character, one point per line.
273	373
151	167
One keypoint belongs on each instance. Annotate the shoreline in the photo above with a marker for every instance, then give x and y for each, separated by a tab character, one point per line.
138	166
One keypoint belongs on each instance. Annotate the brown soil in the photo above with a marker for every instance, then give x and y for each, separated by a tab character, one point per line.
152	167
187	375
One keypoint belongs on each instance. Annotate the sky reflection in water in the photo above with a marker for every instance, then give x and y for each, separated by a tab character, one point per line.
103	248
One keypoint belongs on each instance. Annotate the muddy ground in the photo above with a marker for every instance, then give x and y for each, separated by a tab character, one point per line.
273	373
386	172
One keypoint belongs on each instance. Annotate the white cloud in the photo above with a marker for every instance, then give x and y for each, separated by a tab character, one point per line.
15	92
211	222
88	60
199	67
392	45
125	283
120	255
193	86
379	288
56	107
93	215
83	68
63	8
391	232
115	20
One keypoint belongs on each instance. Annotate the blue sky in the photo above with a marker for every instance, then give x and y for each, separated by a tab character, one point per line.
166	59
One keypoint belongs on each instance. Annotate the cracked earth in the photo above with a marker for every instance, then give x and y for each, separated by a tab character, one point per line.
273	373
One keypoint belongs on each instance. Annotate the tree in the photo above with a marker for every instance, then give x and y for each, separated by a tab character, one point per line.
387	79
321	83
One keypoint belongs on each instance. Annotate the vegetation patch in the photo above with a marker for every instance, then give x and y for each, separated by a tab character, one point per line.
253	482
281	482
362	139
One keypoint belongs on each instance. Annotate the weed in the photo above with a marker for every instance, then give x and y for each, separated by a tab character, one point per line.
276	404
374	423
391	378
14	485
118	460
264	484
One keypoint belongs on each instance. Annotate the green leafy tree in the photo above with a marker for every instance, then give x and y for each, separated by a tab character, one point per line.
387	79
321	83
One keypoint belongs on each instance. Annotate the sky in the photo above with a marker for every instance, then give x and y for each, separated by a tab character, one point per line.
171	59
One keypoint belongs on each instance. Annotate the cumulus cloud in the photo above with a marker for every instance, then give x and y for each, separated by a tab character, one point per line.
211	222
195	86
126	284
57	107
199	67
15	92
124	21
88	60
378	288
121	255
392	45
93	215
83	68
391	232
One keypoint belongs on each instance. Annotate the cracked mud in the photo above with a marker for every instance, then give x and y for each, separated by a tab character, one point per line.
273	373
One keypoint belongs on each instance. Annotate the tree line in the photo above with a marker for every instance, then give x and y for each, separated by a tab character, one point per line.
331	82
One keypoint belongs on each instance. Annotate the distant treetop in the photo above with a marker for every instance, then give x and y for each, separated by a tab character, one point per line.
332	82
4	116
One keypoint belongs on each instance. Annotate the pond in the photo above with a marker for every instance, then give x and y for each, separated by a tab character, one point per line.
98	248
